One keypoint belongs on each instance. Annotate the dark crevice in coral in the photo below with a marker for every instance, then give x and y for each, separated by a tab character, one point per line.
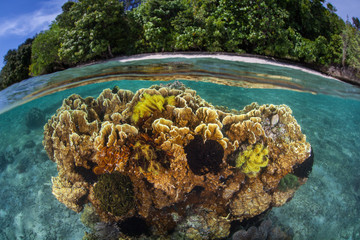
115	89
101	114
163	158
134	227
247	223
143	163
304	169
231	160
204	158
223	180
92	116
83	200
235	226
162	221
197	190
225	129
88	175
148	184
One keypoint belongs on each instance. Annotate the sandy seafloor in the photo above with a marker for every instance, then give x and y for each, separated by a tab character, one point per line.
326	207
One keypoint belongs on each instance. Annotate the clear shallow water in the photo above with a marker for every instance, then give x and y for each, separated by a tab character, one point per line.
326	207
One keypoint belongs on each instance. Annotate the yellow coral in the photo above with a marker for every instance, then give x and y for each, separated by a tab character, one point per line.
149	104
145	156
142	150
252	159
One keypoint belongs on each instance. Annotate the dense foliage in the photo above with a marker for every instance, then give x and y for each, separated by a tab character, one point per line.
45	49
92	29
87	30
17	62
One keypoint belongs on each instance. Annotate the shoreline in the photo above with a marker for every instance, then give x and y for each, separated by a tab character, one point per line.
248	58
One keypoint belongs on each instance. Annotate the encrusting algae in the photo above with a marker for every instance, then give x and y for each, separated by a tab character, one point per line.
166	158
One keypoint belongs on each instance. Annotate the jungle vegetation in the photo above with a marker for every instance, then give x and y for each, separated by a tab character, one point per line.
306	31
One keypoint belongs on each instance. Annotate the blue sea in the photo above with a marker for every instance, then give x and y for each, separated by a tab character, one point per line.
328	111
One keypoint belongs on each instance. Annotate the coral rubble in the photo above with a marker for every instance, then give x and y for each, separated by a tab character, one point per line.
166	157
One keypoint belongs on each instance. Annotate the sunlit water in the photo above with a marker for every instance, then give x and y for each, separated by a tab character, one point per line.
326	207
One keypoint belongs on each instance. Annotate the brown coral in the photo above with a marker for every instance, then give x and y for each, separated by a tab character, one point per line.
179	152
111	158
72	195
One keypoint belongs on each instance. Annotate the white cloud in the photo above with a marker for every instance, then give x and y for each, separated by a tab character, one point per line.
31	23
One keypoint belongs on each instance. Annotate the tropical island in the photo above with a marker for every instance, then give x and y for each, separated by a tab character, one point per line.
304	32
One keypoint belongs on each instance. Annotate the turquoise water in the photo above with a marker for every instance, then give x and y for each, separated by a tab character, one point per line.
326	207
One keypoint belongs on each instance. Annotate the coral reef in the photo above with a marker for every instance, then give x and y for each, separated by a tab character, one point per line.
204	157
149	104
266	231
252	159
290	181
166	158
111	158
114	193
89	217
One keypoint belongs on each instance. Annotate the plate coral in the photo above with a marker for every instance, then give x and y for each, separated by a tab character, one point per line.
167	158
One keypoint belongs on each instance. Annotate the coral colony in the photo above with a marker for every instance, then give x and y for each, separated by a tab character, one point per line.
166	160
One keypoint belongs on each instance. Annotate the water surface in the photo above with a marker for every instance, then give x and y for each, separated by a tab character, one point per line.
326	207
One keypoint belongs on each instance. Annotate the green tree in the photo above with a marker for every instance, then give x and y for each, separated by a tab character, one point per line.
253	25
198	27
44	56
155	17
17	62
356	23
311	18
99	30
65	19
87	30
328	51
351	46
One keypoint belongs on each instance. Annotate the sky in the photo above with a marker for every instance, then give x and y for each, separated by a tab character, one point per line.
22	19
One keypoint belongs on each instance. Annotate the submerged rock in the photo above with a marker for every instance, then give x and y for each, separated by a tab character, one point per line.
35	118
177	158
266	231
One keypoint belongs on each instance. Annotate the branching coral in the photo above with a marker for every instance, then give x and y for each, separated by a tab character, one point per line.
150	155
149	104
253	159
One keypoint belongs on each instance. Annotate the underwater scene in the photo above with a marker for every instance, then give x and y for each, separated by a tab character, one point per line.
180	147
